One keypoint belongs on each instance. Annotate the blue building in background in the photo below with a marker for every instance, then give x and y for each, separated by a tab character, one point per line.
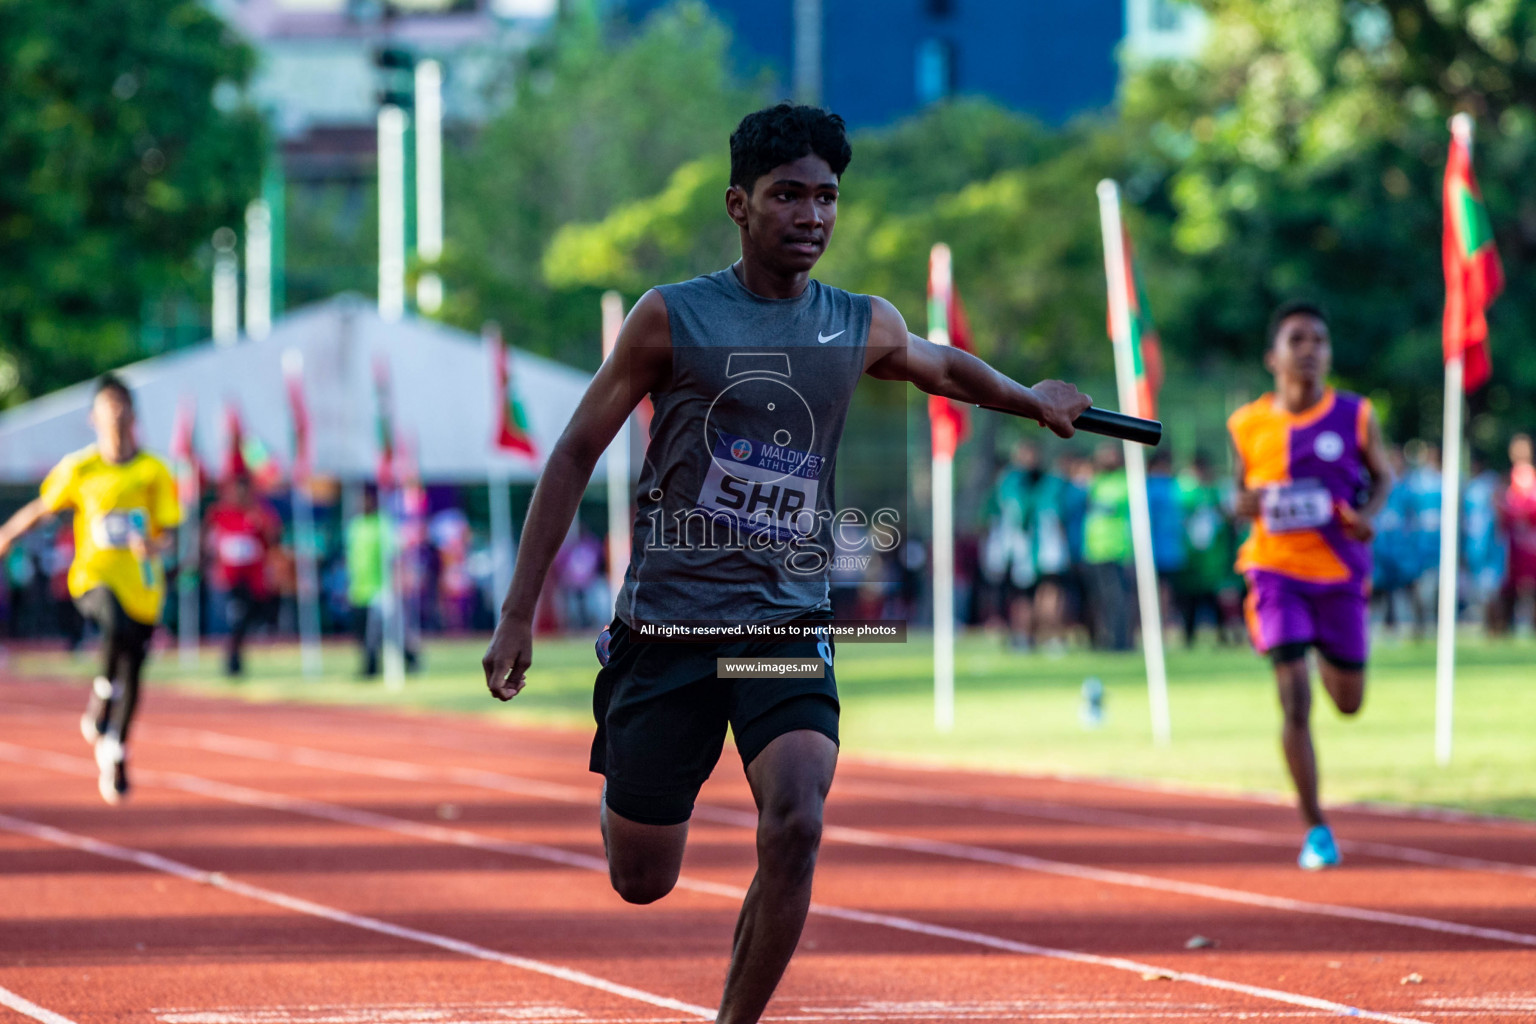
875	61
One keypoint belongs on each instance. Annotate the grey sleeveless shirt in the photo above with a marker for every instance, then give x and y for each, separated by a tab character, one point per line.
734	506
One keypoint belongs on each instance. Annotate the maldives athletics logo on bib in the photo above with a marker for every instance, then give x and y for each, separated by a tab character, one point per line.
741	449
1329	446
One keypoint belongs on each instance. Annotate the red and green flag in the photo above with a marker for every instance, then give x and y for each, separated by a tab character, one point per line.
1473	275
234	446
949	420
512	430
1146	347
298	412
246	456
189	470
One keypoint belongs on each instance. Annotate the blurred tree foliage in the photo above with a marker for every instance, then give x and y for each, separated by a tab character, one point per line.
1014	201
1307	146
123	145
591	124
1299	155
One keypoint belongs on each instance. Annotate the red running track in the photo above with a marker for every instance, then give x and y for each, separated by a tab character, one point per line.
301	865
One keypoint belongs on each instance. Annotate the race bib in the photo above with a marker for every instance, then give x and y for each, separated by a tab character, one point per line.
238	550
112	531
1303	505
762	487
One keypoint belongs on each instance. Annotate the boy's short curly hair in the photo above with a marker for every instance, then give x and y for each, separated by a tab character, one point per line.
782	134
112	382
1304	307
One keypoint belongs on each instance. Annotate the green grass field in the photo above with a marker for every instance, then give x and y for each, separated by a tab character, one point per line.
1020	712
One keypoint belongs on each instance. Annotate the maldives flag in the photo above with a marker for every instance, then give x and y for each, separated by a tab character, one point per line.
512	432
298	412
1146	347
383	422
183	451
245	455
1473	275
234	446
950	421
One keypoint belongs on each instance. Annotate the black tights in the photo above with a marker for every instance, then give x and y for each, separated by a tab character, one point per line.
124	646
240	608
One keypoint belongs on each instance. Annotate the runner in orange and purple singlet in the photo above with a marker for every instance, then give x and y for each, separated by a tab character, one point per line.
1312	472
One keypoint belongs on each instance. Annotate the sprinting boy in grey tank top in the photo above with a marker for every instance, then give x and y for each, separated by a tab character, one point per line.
751	370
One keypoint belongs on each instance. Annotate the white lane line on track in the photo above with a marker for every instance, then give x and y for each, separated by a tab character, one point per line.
454	739
396	1013
1068	1009
1419	812
358	764
462	837
1442	815
155	862
1055	811
27	1008
408	771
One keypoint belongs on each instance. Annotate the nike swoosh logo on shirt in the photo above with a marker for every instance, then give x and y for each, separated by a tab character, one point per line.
824	338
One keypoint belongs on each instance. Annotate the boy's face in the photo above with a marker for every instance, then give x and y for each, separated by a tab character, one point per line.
787	219
111	415
1301	349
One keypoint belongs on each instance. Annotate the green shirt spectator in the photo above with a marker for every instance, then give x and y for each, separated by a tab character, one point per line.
365	558
1107	532
1208	538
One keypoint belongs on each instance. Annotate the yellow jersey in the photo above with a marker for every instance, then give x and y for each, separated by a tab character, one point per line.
113	502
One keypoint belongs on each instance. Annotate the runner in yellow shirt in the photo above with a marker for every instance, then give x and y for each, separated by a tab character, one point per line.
124	502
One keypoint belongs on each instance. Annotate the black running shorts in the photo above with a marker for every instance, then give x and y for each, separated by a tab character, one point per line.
662	712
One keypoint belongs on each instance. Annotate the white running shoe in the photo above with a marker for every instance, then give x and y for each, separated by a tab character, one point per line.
112	763
101	693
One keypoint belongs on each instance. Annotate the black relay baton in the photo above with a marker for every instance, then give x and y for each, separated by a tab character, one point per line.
1112	424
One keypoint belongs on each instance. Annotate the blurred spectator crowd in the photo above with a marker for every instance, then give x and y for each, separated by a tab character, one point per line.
1053	562
247	580
1050	565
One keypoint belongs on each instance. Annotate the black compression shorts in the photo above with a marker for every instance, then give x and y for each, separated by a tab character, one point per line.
662	713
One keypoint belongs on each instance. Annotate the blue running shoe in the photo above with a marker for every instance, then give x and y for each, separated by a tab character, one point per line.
1319	851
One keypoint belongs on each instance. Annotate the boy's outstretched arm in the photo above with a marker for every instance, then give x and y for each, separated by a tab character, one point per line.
894	353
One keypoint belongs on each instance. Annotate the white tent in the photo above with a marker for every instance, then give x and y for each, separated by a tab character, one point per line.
441	384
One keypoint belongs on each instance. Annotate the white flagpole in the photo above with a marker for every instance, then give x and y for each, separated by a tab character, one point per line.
189	560
392	125
391	610
497	482
304	545
258	269
1450	516
943	528
393	624
1135	464
502	554
309	581
1450	507
618	462
429	183
226	288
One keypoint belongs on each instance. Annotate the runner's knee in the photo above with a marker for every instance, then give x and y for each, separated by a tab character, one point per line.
1345	684
643	859
788	836
640	884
